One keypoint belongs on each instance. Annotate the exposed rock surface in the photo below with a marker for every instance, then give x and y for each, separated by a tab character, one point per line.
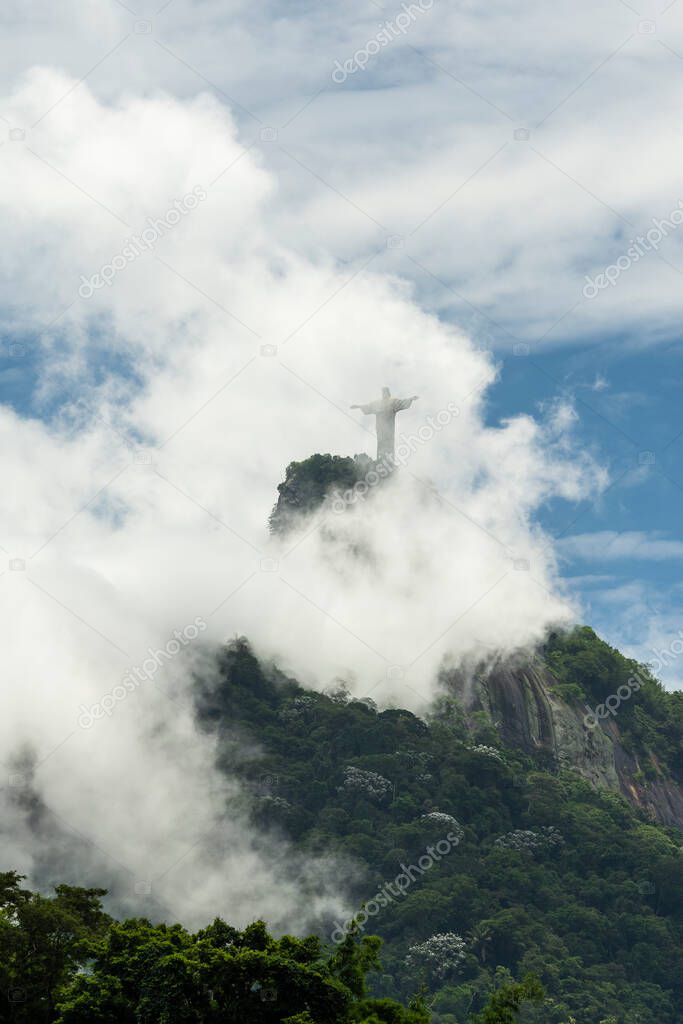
523	700
307	484
522	704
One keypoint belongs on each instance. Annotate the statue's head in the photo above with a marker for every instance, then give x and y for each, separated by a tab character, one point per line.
386	393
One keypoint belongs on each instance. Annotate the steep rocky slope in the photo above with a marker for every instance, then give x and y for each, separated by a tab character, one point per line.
539	703
524	705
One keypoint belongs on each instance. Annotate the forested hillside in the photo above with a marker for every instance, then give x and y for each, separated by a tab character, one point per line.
504	887
503	876
548	874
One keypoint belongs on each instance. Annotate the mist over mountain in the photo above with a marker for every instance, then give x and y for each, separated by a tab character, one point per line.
304	719
141	507
343	812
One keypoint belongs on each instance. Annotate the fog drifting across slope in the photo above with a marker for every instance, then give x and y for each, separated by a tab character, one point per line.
208	363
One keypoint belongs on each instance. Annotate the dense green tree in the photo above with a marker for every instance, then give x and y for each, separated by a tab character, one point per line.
139	973
42	942
504	1005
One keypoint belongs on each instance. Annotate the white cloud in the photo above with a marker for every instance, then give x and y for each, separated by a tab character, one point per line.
610	545
426	132
445	564
600	383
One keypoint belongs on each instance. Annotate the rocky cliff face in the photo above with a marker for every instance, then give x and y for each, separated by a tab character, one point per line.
307	484
522	703
523	700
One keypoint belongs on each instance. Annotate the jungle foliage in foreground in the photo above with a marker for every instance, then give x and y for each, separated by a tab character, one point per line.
64	961
549	875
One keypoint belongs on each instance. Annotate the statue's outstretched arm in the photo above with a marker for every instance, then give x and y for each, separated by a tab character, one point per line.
404	403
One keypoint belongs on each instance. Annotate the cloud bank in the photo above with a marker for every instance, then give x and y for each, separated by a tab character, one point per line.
517	152
168	403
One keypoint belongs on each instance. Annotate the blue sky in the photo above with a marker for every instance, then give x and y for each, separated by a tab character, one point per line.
628	406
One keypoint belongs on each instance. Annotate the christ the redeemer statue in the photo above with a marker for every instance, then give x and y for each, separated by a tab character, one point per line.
384	410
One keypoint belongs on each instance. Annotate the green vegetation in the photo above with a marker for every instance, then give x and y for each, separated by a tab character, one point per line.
308	483
505	1004
548	876
650	721
64	961
486	874
501	888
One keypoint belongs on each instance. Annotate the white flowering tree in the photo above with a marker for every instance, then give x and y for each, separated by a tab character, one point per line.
365	783
530	840
444	821
485	751
297	710
438	957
